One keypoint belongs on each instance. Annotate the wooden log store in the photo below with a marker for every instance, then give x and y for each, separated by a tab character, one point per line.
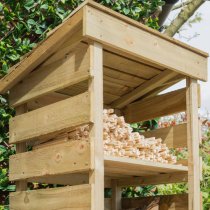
98	59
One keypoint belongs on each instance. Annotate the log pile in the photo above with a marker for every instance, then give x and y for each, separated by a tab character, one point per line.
120	141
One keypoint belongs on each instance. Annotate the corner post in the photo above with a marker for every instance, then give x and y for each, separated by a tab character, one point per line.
116	195
96	175
193	145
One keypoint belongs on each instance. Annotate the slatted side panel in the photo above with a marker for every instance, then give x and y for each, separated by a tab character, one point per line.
51	120
69	66
51	199
173	137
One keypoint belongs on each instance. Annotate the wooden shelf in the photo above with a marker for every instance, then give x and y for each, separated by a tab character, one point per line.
122	167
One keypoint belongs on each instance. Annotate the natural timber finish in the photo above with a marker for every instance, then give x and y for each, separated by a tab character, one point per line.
143	89
70	69
75	197
21	147
156	106
116	195
69	157
90	22
164	202
51	120
64	83
193	140
96	175
117	166
173	136
153	180
150	47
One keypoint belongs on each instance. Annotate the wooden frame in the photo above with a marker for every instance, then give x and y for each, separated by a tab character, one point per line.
193	145
65	82
96	175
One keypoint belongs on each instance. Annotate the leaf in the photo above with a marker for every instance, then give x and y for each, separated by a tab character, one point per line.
31	22
38	31
1	6
44	6
29	4
5	67
13	57
138	9
11	188
126	11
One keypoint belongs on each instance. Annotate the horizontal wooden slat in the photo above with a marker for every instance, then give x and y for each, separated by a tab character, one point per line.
71	69
123	64
153	180
50	120
164	202
173	136
143	89
122	78
72	156
45	100
125	37
75	197
156	106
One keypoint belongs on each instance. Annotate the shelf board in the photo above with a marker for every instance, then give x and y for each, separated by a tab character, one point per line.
122	167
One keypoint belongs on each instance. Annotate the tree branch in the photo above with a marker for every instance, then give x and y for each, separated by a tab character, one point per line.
182	17
180	5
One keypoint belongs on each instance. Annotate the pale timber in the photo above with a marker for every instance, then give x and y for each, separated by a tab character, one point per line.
156	106
21	147
71	69
153	180
173	136
134	167
165	202
51	120
96	175
116	195
150	47
68	157
51	199
193	145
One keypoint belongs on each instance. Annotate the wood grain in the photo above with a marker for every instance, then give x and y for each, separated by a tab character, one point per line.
71	69
149	47
53	199
51	120
173	136
68	157
156	106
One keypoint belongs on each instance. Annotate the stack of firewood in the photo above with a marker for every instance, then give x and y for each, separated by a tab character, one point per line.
120	141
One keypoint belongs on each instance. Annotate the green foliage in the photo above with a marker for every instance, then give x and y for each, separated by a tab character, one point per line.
205	184
5	150
145	126
171	189
132	192
26	22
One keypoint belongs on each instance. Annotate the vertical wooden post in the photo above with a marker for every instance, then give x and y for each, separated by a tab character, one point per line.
116	195
96	176
193	145
21	147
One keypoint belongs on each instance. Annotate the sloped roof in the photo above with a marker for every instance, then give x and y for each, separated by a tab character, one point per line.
57	37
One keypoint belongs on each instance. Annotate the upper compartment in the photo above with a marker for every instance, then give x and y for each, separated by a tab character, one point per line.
138	61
